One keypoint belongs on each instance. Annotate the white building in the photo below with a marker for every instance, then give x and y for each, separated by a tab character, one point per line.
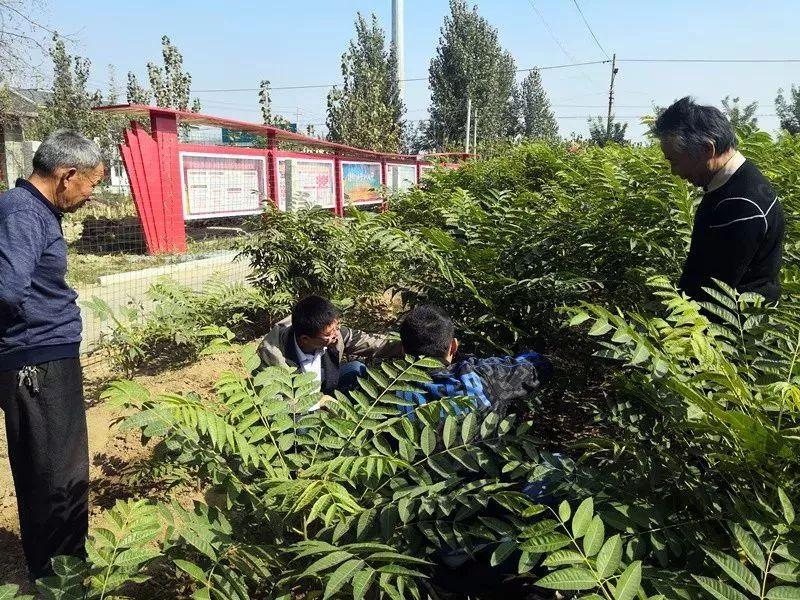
16	151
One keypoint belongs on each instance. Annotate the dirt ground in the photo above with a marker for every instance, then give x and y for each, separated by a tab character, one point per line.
109	451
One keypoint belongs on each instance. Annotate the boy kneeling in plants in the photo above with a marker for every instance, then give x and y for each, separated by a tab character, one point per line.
494	383
312	340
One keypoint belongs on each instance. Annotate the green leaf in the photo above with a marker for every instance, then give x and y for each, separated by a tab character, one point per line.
719	589
404	509
546	543
135	556
399	570
595	535
390	556
640	355
9	591
326	562
469	427
361	583
609	557
786	571
534	510
579	318
786	504
781	592
628	583
571	578
490	422
600	327
735	570
583	517
450	431
502	552
750	546
527	562
341	576
427	441
365	522
564	511
559	558
790	552
252	363
192	569
202	594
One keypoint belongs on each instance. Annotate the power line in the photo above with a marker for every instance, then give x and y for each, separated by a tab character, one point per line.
594	37
710	60
629	116
558	42
550	31
329	85
577	64
586	117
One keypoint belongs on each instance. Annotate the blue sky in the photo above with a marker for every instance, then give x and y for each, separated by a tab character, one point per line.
235	44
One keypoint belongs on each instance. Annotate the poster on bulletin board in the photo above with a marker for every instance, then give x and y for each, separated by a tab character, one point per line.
305	183
401	177
220	185
361	182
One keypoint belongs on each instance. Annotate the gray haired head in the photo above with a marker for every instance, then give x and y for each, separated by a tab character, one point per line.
691	127
65	148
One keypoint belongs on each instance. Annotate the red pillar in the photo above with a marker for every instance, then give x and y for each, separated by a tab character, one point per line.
272	170
337	173
165	132
384	183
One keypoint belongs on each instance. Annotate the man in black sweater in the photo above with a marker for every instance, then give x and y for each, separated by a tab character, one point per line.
739	226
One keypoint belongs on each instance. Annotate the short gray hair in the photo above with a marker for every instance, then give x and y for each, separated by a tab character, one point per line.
66	148
691	126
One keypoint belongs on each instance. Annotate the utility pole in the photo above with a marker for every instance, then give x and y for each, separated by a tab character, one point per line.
611	95
475	132
467	128
397	40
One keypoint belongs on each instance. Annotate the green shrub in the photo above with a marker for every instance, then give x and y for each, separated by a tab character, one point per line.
354	502
177	322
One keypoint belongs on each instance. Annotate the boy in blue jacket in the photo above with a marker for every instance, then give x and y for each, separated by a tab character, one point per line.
495	383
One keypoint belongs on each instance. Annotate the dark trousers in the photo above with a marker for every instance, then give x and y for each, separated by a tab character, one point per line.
49	456
349	374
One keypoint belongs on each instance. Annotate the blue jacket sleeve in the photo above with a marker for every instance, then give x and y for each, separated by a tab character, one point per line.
22	241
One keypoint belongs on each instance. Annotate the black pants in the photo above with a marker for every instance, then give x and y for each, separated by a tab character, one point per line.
49	456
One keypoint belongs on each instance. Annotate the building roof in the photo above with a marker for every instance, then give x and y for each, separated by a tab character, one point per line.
27	102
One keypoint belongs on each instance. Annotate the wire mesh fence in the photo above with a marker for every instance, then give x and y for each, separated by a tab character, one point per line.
191	190
109	262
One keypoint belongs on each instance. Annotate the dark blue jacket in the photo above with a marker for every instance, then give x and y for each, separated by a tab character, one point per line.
39	317
493	383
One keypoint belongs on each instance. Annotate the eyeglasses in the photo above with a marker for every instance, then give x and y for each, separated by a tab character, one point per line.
330	337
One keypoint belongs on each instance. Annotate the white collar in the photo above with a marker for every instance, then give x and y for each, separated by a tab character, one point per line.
303	357
722	176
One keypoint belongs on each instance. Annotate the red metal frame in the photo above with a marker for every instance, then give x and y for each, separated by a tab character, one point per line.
153	165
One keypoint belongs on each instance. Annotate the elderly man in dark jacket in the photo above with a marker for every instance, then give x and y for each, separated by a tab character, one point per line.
739	226
41	385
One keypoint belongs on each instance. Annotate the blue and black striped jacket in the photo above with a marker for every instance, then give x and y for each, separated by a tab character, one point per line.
493	383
